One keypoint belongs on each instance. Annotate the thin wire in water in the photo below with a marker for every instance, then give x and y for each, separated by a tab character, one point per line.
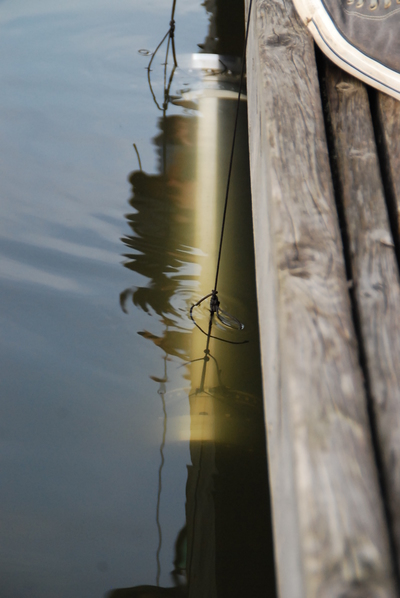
215	309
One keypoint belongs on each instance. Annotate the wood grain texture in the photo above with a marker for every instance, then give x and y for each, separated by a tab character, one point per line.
330	534
389	118
374	265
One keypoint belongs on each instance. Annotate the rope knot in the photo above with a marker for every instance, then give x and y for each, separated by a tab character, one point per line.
214	303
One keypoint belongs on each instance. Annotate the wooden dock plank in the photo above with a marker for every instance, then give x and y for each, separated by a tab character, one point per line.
373	263
330	533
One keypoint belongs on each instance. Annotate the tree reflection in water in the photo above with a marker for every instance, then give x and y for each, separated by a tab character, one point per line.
162	226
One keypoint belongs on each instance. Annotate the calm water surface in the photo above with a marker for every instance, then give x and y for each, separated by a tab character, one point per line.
103	441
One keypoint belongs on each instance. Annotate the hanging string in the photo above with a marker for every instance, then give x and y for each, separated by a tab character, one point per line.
214	291
214	301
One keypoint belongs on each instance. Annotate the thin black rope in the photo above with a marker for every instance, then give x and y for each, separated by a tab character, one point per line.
214	302
232	150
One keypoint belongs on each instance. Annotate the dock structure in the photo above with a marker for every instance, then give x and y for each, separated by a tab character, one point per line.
325	172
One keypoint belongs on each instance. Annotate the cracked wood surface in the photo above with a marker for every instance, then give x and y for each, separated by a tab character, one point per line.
373	262
329	528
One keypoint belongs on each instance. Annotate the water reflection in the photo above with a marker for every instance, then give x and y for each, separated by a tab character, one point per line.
225	548
176	231
162	224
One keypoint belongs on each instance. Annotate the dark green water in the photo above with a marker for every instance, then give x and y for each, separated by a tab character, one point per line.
121	459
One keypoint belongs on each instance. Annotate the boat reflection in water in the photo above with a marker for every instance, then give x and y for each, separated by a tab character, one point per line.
225	548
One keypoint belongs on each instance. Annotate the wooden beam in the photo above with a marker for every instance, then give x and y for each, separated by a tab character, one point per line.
330	534
373	263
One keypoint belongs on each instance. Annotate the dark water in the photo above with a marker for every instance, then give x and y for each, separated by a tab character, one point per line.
126	451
